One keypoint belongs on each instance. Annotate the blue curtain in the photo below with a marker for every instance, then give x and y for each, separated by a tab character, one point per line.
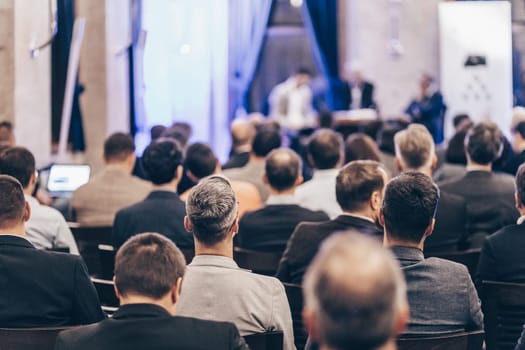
320	20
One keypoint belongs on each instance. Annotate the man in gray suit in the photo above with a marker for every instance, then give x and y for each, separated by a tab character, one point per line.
215	288
441	294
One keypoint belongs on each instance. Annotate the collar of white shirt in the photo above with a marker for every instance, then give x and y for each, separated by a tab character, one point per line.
282	199
521	220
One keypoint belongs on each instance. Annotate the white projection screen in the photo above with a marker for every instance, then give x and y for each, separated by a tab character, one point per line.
476	61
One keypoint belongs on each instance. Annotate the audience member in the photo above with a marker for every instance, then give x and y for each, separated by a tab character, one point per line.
363	307
215	288
359	191
114	188
361	147
242	133
356	92
415	152
325	154
455	165
270	228
7	136
155	133
39	288
46	228
162	211
148	277
489	196
388	149
441	294
518	144
461	121
266	139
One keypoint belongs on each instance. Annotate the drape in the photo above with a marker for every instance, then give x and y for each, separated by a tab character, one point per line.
136	104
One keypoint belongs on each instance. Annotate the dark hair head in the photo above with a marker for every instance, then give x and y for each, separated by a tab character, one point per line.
7	137
459	119
455	153
356	182
180	132
19	163
326	119
283	167
409	206
303	71
118	147
386	138
484	142
149	265
161	159
325	148
520	184
361	147
266	139
156	131
520	129
200	160
12	202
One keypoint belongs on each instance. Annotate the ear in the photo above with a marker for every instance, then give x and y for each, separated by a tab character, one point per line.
430	228
398	165
218	167
375	200
176	290
265	179
117	293
178	172
403	315
235	227
433	164
381	217
33	178
310	324
517	201
299	180
187	224
27	212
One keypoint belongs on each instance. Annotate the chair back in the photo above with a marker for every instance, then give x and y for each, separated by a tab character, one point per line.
294	293
106	254
504	309
29	338
264	263
88	238
469	258
265	341
456	341
106	294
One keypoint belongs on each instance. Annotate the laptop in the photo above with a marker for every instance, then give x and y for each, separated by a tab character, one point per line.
64	179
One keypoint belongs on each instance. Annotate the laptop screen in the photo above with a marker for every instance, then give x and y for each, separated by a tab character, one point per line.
67	177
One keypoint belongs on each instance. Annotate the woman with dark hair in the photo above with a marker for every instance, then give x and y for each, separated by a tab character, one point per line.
361	147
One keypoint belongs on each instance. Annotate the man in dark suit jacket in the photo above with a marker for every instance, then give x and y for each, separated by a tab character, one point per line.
242	132
441	294
359	192
148	278
162	211
356	92
270	228
489	196
38	288
502	258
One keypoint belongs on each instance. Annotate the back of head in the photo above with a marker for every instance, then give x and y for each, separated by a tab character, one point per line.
118	147
356	182
484	142
156	131
19	163
409	206
520	186
211	208
200	160
161	160
350	315
386	138
266	139
181	132
7	137
518	116
283	168
455	153
148	265
12	202
242	132
361	147
414	147
325	149
460	119
520	129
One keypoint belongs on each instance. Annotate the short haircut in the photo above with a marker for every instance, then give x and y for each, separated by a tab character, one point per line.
409	206
360	146
19	163
354	315
414	147
211	208
325	148
156	131
12	202
161	159
118	147
283	167
149	265
520	129
484	142
520	184
460	118
266	139
356	182
455	153
303	70
200	160
6	133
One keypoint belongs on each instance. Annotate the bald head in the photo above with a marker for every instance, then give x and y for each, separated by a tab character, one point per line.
415	149
243	133
362	307
283	169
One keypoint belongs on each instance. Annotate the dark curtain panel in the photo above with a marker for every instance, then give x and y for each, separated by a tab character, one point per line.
133	51
59	62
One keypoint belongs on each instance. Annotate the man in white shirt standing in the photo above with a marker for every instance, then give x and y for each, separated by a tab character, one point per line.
47	228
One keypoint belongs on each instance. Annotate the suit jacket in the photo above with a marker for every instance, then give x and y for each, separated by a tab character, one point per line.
237	160
441	295
306	239
44	289
490	202
269	228
450	232
215	288
515	162
367	95
253	173
161	212
147	326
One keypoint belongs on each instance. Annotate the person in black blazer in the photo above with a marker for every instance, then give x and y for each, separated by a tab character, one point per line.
269	228
359	192
148	294
38	288
355	92
162	211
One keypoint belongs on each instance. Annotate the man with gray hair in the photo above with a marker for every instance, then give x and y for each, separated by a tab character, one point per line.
364	307
215	288
415	151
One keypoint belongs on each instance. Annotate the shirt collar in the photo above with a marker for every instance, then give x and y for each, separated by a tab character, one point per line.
214	260
281	199
325	173
17	236
360	217
31	200
521	220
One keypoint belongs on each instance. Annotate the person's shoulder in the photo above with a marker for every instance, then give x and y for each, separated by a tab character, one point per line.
311	215
505	233
504	178
448	268
77	335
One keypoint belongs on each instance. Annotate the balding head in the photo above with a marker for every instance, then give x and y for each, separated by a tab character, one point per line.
325	149
415	149
283	169
242	132
362	307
